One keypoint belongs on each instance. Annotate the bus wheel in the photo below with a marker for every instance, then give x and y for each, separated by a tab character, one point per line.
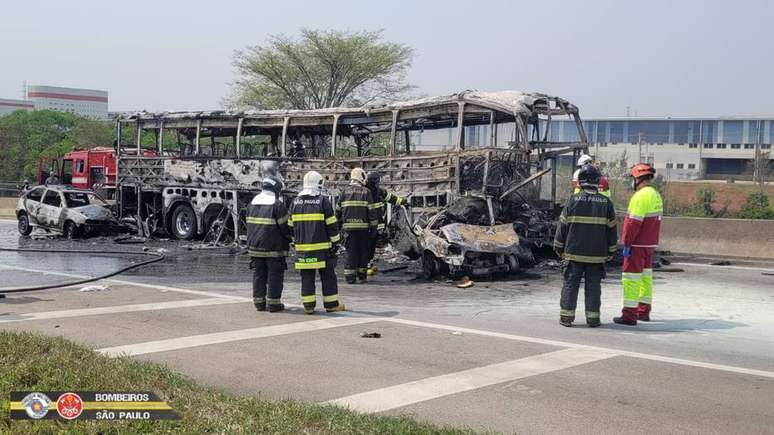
183	222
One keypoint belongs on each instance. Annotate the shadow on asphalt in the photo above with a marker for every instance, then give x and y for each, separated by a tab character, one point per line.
676	325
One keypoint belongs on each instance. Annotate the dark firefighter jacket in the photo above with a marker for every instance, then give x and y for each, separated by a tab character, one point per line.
315	229
356	207
587	231
381	199
268	234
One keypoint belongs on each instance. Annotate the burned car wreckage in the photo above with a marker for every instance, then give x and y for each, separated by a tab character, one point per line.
472	164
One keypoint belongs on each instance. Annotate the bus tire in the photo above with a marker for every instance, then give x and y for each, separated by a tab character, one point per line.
183	223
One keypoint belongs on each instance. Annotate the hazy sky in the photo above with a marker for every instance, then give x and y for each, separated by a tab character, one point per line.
675	58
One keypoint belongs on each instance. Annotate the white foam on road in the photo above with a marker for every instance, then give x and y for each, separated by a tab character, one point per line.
238	335
22	317
136	284
397	396
647	356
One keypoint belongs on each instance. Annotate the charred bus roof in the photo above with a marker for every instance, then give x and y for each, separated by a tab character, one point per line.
528	113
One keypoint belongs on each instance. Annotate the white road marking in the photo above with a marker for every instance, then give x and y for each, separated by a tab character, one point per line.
22	317
397	396
710	266
646	356
238	335
136	284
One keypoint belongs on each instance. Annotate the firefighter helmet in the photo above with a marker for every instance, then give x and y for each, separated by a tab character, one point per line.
642	169
373	179
358	175
313	183
584	159
588	176
273	184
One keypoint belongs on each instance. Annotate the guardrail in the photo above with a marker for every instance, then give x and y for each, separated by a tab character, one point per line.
10	189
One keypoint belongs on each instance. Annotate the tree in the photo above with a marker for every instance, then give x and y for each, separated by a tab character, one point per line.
320	69
756	206
27	136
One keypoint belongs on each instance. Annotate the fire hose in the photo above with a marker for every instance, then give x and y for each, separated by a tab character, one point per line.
156	258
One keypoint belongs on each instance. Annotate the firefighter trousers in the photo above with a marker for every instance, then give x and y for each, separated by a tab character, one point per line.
358	244
268	274
330	288
592	274
637	277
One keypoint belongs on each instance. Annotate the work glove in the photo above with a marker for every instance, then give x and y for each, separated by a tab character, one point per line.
626	251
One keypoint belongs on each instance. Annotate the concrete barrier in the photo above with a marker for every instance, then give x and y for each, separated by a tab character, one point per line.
8	207
742	238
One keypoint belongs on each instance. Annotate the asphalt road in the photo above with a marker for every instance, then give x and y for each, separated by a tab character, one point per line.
489	357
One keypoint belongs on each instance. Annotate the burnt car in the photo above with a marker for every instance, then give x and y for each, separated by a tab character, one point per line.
477	236
73	212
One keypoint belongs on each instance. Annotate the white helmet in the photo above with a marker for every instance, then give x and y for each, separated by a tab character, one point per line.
584	160
313	183
358	175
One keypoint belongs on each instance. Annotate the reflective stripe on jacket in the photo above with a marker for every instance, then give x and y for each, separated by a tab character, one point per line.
381	198
586	232
315	229
643	218
356	207
268	234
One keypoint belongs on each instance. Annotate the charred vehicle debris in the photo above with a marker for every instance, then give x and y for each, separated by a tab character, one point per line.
473	165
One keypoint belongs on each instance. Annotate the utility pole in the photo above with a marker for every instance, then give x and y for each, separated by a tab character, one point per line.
639	147
758	165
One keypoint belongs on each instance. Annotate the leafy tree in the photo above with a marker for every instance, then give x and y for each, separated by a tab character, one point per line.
320	69
705	205
756	206
25	137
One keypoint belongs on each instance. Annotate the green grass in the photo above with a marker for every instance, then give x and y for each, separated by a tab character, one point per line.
30	362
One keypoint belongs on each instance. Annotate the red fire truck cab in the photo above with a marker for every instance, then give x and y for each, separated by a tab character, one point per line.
93	169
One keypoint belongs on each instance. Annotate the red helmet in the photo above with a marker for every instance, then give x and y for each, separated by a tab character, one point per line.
642	169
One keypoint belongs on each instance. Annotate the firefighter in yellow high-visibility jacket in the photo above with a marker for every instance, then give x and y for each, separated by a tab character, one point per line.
640	238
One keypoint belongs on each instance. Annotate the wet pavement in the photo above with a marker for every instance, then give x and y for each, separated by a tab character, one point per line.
489	357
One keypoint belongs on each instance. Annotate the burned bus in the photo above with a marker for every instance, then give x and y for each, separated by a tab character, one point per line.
206	166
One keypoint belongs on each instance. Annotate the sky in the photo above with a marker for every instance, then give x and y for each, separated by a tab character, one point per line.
658	58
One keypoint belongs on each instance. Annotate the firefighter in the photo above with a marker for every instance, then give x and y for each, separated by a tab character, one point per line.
268	240
316	236
381	197
604	185
359	222
640	239
586	237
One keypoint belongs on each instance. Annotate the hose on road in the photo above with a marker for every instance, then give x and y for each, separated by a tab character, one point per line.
156	258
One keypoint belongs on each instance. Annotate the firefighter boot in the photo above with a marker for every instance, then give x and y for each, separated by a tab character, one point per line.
362	275
276	308
566	320
350	278
592	319
260	303
628	317
339	307
643	312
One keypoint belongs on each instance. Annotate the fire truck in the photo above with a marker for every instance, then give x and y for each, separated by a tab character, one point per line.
90	169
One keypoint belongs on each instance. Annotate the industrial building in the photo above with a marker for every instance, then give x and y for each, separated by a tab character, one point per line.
85	102
679	148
